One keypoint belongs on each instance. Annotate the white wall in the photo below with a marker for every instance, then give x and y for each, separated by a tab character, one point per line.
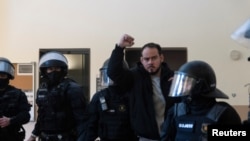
3	25
204	26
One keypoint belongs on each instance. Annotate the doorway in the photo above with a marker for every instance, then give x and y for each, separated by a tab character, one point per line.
175	57
78	64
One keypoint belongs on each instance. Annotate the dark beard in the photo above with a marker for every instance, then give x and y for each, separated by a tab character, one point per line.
154	73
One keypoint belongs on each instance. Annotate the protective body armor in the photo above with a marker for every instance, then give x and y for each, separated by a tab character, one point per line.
194	127
9	107
9	103
114	121
53	114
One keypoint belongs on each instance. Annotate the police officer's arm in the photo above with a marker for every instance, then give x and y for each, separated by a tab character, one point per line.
36	131
78	105
93	119
23	115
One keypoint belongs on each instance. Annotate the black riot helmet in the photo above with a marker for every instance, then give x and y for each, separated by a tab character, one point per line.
7	67
195	79
104	79
53	59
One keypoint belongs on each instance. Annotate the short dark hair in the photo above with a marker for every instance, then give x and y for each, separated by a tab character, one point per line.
152	45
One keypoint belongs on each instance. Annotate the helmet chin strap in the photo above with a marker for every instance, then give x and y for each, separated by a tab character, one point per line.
187	99
3	84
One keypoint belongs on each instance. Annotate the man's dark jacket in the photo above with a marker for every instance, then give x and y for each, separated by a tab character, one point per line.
14	104
137	82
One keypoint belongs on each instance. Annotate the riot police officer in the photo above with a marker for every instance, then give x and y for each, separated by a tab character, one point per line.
60	100
195	84
14	106
109	112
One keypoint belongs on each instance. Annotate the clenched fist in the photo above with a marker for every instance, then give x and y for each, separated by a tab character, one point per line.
126	41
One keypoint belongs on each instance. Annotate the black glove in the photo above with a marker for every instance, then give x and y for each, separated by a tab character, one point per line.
246	122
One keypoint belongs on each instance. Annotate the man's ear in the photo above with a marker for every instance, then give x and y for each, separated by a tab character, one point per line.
141	59
162	57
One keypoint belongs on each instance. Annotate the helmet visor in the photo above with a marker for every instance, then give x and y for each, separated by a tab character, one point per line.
7	68
104	79
51	59
182	85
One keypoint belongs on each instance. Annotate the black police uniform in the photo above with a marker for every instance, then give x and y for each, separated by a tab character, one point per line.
189	121
195	84
14	104
109	116
61	112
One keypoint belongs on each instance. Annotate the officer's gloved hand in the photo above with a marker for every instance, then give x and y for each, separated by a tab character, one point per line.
247	122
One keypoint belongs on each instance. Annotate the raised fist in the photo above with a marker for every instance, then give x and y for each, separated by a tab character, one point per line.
126	41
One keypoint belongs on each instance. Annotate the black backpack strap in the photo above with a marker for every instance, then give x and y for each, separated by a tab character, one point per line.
64	87
180	109
103	101
215	113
